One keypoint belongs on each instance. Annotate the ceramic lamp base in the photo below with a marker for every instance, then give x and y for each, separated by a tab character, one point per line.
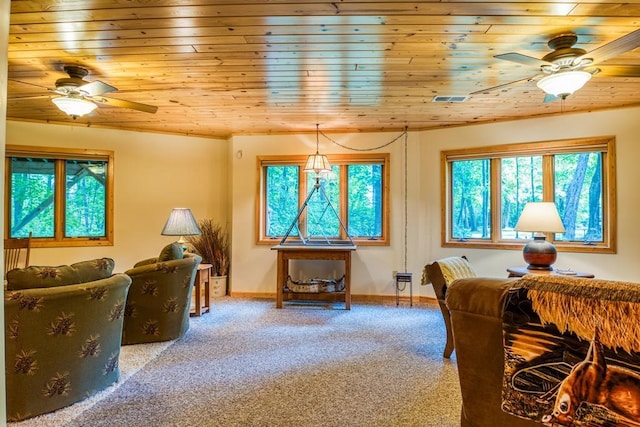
539	254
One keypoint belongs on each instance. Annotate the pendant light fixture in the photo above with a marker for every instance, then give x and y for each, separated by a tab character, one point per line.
318	163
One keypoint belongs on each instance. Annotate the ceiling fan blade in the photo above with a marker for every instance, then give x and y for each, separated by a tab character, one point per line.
491	89
96	88
613	48
618	71
114	102
523	59
27	83
18	98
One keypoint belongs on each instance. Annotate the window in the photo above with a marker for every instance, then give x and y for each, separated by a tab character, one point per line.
357	189
487	188
63	196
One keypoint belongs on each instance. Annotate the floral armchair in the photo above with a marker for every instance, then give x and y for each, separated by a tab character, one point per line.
160	296
63	327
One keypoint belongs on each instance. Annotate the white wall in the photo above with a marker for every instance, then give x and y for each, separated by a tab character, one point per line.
254	266
153	174
156	172
624	124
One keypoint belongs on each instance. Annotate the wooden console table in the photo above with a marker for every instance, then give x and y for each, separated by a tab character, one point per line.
337	252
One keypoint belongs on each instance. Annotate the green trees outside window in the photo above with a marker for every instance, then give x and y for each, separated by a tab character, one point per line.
64	197
355	189
86	199
488	188
32	183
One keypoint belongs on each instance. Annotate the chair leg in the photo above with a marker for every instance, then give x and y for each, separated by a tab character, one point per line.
448	348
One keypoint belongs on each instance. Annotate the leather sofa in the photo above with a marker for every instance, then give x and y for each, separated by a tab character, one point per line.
63	328
476	308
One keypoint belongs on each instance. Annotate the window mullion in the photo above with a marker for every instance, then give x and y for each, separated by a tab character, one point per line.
303	193
60	200
7	197
548	185
344	200
495	192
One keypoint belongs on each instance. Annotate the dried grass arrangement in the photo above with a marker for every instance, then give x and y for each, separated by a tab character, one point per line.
213	246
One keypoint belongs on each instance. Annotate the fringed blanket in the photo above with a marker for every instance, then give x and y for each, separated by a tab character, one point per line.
572	351
452	268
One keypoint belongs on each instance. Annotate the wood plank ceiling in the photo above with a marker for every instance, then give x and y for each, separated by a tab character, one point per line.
221	68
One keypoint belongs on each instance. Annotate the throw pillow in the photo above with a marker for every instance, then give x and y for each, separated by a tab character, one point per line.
170	252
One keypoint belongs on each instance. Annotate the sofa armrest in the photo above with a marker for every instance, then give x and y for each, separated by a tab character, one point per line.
482	296
476	307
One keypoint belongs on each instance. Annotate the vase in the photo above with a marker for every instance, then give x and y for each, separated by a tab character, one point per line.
218	286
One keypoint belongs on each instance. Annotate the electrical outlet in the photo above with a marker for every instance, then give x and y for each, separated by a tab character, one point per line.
393	274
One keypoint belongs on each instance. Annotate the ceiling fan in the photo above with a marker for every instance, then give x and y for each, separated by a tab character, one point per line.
79	97
567	68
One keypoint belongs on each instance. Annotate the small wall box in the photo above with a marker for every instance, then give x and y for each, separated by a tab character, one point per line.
403	277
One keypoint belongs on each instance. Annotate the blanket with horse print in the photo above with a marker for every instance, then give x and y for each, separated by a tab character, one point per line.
572	351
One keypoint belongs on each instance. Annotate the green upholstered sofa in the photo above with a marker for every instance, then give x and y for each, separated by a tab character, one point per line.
63	328
160	296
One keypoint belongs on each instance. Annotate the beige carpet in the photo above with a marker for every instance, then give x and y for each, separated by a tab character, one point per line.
249	364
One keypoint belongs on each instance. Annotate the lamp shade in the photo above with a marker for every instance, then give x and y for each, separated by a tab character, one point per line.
75	107
542	217
181	223
318	163
564	83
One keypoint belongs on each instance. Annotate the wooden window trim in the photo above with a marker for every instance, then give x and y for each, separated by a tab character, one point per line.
335	159
546	149
64	154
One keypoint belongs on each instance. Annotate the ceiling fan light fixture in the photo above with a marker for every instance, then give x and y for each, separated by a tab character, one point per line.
75	107
565	83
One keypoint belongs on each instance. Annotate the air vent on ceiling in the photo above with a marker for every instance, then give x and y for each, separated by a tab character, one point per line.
452	98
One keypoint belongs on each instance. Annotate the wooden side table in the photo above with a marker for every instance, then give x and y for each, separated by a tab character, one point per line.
521	271
203	279
320	252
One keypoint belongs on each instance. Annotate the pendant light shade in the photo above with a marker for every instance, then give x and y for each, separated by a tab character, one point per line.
318	163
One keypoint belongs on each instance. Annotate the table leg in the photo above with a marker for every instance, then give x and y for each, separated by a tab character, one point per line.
347	281
282	264
207	290
196	286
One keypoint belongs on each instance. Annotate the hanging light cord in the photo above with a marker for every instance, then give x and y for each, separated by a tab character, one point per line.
406	159
404	284
366	149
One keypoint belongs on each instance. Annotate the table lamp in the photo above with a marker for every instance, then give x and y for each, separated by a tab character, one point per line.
540	218
181	223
